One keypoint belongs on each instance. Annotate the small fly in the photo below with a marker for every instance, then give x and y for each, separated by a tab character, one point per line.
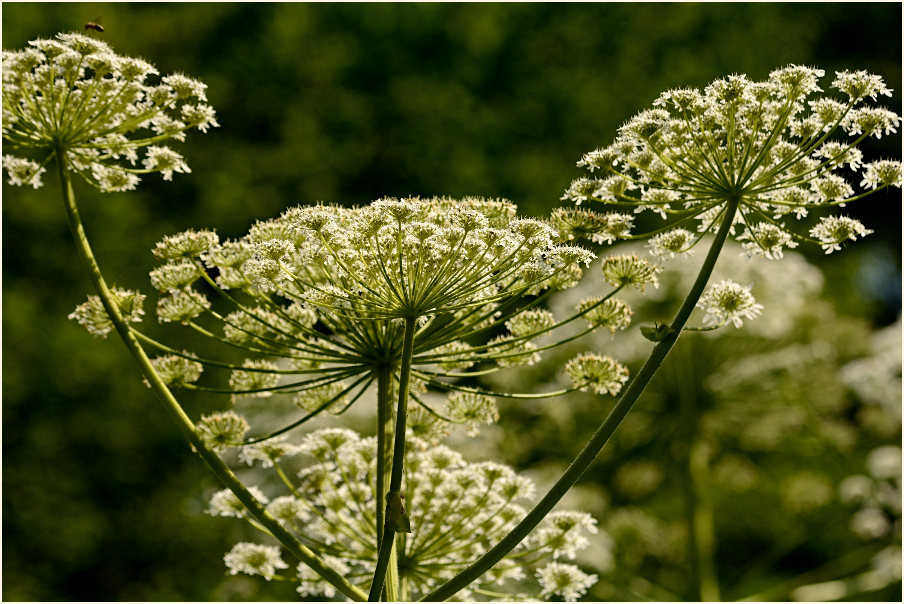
95	25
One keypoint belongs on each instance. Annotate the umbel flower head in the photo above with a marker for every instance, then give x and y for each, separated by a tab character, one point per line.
73	97
728	301
778	148
457	511
92	316
319	298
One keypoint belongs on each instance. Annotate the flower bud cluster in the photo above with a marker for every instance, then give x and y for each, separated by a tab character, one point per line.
175	369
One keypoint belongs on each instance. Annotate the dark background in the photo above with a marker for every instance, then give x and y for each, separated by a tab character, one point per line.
340	103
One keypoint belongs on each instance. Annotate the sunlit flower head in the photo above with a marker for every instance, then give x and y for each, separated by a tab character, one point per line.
176	369
73	96
225	503
319	298
613	314
564	580
779	149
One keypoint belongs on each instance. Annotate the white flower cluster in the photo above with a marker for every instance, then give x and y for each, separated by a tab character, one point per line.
774	147
602	375
73	97
328	289
728	301
458	510
254	559
93	316
175	369
221	430
412	257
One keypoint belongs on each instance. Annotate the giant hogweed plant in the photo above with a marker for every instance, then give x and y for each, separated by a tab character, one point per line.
400	294
410	294
325	302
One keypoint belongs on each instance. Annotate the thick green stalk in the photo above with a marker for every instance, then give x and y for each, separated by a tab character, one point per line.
174	409
398	458
384	432
604	432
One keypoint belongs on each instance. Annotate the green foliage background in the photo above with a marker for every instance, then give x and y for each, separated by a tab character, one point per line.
341	103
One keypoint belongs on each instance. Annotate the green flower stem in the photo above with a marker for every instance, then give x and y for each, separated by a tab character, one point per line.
384	431
174	409
398	457
606	429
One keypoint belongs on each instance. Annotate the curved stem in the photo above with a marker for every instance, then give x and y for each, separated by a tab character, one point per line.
604	432
174	409
398	458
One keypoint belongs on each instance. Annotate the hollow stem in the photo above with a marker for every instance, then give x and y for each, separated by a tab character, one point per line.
606	429
398	458
174	409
